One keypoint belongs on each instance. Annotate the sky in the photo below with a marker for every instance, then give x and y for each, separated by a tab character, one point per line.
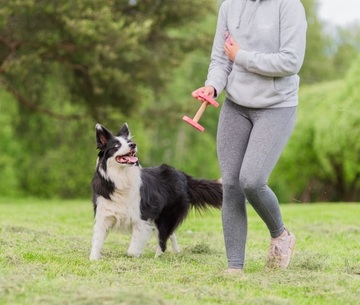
339	12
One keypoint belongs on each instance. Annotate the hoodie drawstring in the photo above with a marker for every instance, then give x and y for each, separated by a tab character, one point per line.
243	9
241	12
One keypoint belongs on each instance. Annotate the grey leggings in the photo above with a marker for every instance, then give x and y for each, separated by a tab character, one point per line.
249	144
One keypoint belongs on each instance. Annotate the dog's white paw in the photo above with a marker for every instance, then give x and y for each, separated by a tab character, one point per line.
133	254
158	252
176	249
94	257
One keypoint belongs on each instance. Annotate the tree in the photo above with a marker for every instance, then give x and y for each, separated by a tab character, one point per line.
347	47
105	53
336	141
70	58
318	62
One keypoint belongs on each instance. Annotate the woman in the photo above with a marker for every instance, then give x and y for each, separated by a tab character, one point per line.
258	50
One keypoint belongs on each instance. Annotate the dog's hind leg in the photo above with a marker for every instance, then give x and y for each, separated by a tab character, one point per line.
141	233
174	245
101	228
163	235
166	225
158	251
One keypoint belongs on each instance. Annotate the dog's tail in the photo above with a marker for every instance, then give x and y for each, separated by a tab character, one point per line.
205	193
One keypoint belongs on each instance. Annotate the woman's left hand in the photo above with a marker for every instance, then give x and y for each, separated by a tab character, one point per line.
231	48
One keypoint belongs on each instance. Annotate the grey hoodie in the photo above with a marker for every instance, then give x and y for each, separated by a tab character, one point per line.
271	35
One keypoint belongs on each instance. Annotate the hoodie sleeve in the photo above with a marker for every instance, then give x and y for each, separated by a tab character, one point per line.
290	57
220	65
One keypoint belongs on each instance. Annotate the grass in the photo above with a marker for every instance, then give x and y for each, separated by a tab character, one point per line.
44	249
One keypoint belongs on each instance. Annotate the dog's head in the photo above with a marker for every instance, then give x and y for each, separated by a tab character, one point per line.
118	149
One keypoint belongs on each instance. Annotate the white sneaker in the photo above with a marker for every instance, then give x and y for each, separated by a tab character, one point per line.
281	249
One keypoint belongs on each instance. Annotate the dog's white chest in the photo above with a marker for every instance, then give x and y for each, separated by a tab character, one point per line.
123	207
121	211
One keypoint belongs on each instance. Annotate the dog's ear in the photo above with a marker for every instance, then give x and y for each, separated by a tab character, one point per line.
124	131
102	136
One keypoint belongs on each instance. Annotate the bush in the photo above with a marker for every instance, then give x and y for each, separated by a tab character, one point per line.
322	159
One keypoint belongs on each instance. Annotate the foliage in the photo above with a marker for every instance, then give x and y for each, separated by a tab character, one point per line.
45	63
329	50
105	53
347	48
318	64
45	248
336	144
9	148
322	159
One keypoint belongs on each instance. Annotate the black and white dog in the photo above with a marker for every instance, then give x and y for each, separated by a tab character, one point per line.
141	200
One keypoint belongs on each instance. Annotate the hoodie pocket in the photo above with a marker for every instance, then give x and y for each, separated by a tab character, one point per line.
255	90
250	88
286	85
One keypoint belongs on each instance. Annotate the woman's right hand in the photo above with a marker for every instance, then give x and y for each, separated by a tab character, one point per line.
207	90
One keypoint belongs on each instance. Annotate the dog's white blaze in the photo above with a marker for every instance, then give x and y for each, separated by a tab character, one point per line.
124	148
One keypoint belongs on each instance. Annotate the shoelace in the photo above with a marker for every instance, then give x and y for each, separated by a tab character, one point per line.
275	251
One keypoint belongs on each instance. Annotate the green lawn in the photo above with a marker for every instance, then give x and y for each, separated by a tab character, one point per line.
45	248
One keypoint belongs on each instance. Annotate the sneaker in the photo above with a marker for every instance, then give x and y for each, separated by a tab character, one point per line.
281	249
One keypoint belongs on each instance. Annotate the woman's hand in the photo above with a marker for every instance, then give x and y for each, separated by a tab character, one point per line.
231	48
207	90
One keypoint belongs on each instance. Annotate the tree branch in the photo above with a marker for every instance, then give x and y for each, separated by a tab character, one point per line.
30	105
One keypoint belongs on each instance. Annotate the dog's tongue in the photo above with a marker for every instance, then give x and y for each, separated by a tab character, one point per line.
128	159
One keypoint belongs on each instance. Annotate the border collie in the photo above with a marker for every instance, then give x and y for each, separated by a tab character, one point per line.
142	200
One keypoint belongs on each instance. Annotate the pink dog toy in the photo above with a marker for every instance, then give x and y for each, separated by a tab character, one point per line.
194	122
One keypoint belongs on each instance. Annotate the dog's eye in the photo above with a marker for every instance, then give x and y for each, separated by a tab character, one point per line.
117	145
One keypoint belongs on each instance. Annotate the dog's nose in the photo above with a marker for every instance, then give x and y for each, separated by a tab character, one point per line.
132	145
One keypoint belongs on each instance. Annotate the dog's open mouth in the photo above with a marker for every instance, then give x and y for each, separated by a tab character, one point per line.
130	158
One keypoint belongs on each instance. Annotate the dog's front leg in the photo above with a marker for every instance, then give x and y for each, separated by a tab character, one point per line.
101	228
141	233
